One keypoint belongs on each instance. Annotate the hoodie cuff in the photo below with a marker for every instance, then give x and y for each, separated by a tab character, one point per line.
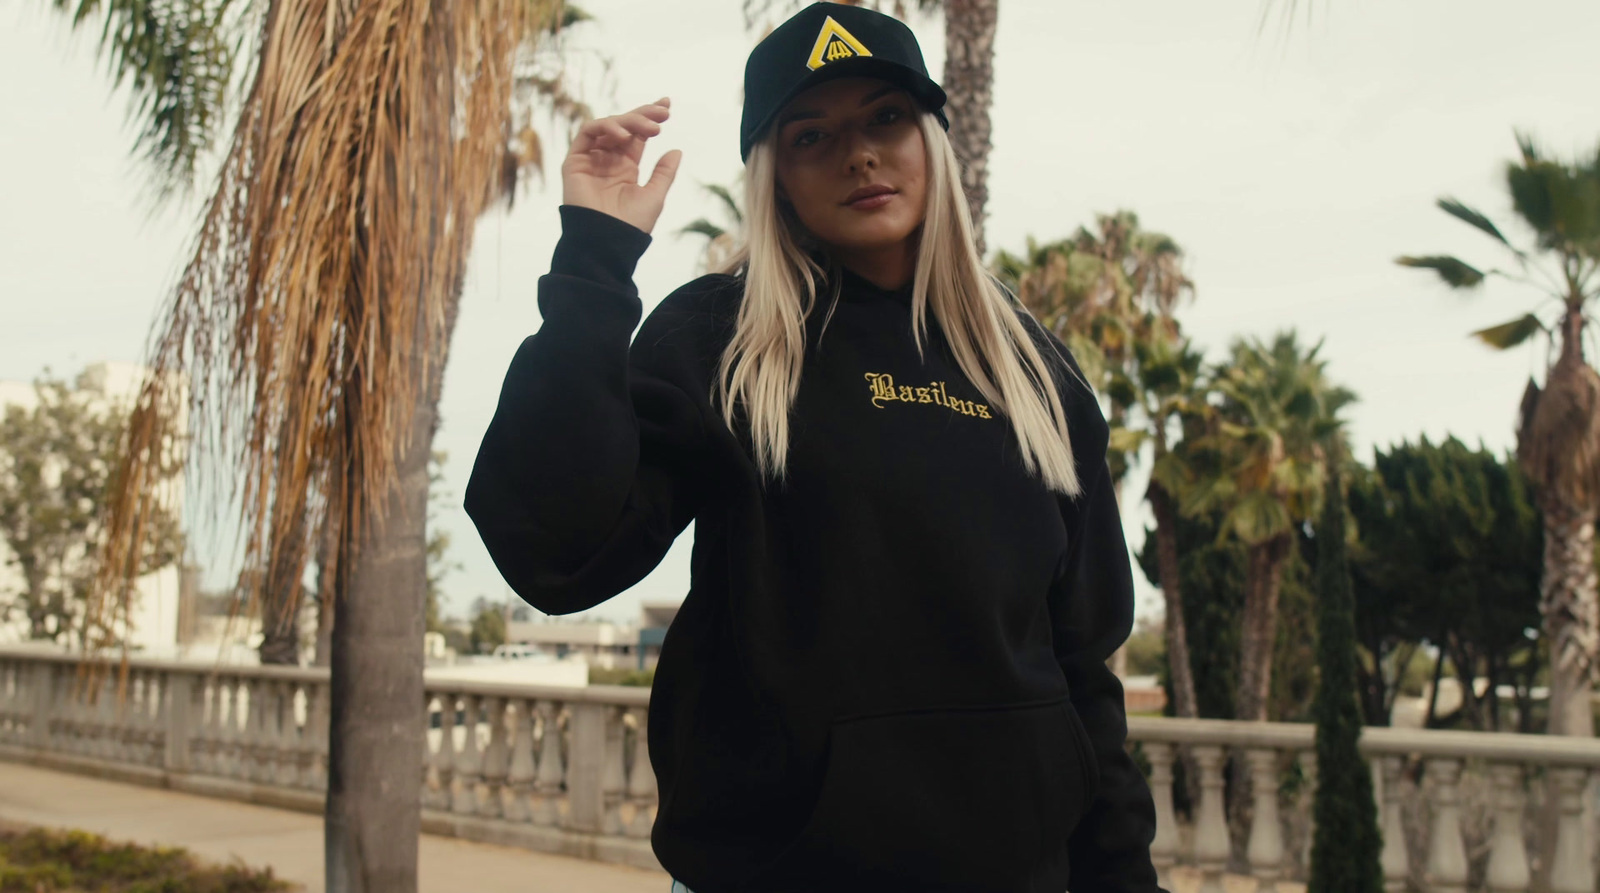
598	247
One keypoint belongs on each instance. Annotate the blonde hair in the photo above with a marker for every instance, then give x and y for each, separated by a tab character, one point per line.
760	368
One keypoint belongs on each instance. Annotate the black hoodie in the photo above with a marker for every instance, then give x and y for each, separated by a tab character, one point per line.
889	671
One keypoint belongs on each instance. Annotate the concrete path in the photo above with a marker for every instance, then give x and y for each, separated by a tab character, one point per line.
291	842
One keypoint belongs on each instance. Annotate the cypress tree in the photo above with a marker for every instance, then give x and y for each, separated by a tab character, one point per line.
1345	854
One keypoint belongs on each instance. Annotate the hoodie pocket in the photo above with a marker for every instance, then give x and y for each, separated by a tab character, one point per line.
974	797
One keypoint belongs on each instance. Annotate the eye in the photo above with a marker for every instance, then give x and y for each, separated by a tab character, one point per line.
807	137
888	115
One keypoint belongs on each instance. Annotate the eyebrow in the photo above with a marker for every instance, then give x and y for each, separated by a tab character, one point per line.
808	114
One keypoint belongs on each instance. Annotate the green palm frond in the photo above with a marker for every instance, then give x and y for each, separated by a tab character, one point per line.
1461	212
1456	273
1127	440
1510	334
177	58
702	227
729	204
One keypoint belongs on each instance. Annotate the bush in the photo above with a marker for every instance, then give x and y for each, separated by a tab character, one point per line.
46	861
617	676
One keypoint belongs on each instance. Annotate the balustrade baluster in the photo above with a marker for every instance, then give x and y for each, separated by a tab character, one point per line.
519	775
156	728
547	811
233	764
1396	859
444	759
494	760
302	751
317	706
430	773
613	780
204	719
1447	855
238	766
286	741
85	702
469	765
1164	848
127	728
151	699
1508	854
1211	828
125	709
145	732
1308	802
257	758
641	778
1266	835
105	717
49	712
1572	867
265	738
432	783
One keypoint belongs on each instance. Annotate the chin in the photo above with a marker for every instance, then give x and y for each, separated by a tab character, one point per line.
871	235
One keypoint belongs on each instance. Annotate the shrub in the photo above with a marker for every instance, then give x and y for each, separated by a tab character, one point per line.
47	861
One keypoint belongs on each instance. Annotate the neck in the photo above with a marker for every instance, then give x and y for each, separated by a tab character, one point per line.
889	268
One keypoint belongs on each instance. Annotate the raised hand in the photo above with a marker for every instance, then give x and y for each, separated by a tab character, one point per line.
601	170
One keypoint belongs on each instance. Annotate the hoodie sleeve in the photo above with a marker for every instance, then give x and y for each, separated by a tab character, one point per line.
1091	615
1091	609
587	472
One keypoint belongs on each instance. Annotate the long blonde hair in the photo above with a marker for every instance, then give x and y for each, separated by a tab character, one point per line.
760	368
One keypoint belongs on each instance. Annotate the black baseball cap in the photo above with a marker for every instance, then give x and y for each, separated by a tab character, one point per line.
825	41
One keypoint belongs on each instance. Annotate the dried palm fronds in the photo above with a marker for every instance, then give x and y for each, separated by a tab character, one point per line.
325	268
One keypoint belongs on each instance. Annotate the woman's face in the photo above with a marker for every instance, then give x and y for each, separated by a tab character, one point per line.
853	138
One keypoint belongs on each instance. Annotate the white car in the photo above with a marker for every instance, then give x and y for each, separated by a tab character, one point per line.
517	652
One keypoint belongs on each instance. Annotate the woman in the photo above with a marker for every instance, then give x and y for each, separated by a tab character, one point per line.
908	572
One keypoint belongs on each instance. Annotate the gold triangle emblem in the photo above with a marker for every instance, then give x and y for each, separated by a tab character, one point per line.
834	43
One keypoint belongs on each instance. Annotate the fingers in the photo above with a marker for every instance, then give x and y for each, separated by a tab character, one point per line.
621	131
666	170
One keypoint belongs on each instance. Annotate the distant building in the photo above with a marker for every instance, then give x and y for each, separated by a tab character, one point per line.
601	643
154	615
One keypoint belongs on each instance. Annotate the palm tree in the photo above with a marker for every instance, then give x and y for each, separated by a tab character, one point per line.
968	81
1110	295
721	241
1166	384
1261	465
1558	439
309	331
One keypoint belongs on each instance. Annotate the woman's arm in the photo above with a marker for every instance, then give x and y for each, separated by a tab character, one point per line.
1091	609
584	476
587	472
1091	614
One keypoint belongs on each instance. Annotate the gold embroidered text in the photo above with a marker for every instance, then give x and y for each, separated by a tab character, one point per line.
884	390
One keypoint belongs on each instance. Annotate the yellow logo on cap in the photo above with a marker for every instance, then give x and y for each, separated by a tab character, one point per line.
834	43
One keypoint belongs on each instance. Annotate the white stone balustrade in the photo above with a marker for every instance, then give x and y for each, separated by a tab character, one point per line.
567	770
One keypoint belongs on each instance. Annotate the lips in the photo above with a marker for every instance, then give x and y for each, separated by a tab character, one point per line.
867	192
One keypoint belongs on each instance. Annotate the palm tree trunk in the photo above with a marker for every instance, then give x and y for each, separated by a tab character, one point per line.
1257	641
1568	601
1185	702
1259	627
377	667
969	29
373	814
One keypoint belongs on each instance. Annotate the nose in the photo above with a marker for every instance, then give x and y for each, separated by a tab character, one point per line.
860	154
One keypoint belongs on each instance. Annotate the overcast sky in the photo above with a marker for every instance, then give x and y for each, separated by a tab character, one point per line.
1291	169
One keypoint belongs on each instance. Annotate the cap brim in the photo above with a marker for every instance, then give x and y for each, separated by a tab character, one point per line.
923	89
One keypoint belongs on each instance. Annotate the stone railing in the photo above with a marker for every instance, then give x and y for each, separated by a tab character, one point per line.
1458	810
567	770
